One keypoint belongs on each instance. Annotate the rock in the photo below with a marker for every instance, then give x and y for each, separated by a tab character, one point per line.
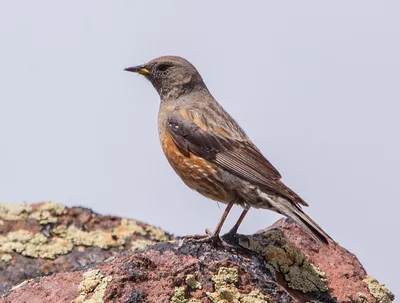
278	264
46	238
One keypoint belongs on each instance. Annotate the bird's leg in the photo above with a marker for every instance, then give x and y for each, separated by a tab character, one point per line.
235	227
223	218
215	235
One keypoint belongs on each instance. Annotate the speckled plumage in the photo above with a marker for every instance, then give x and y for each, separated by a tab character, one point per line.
210	151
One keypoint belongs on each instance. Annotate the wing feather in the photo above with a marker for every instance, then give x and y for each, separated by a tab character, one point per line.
241	158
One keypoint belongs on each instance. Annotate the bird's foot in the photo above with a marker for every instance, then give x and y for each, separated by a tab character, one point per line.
230	236
208	237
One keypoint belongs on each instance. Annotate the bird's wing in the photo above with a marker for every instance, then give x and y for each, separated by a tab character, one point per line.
240	157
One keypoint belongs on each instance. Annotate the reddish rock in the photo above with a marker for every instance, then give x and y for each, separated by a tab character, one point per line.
280	264
346	274
47	238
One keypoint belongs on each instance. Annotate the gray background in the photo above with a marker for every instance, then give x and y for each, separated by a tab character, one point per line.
314	84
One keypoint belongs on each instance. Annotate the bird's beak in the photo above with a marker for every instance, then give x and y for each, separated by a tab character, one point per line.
140	69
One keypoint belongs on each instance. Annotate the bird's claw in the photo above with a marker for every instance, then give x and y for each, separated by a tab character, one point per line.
208	237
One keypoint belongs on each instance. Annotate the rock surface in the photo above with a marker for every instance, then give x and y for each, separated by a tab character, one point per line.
109	259
46	238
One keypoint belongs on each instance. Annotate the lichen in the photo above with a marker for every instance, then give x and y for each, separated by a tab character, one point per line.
127	228
43	213
95	238
192	282
101	238
9	211
156	234
34	245
93	282
378	291
288	260
179	295
226	290
64	238
47	212
140	244
225	275
361	298
6	258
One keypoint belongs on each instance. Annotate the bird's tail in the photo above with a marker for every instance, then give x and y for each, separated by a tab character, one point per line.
294	212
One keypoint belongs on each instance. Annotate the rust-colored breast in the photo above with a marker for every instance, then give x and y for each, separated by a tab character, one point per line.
196	172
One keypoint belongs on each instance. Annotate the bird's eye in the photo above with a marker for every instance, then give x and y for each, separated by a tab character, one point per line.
163	67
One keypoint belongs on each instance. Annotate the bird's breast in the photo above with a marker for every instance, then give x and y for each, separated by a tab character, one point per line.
196	172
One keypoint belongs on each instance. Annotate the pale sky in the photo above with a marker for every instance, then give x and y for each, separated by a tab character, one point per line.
315	84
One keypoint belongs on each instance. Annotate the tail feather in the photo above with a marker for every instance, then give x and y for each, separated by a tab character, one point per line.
309	225
294	212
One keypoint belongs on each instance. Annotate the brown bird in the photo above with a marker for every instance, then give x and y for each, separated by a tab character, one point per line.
211	153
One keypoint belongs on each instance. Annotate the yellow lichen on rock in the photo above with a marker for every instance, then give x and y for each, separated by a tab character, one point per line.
225	276
38	245
379	291
226	290
47	212
139	244
179	295
126	229
6	258
156	234
44	213
361	298
9	211
96	238
192	282
104	239
64	238
93	282
288	260
34	245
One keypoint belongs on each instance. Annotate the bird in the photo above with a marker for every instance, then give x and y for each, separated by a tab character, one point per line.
211	153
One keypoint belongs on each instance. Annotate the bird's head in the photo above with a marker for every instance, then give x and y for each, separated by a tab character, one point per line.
171	76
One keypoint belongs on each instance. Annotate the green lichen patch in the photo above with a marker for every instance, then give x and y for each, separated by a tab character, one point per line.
156	234
192	282
34	245
254	297
225	276
47	212
44	213
226	290
9	211
140	244
96	238
64	238
104	239
179	295
378	291
94	283
361	298
288	260
127	228
6	258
